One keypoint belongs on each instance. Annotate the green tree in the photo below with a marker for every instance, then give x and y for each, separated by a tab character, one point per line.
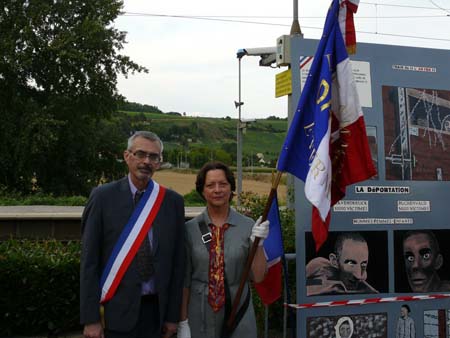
223	156
198	157
173	156
137	107
59	62
230	148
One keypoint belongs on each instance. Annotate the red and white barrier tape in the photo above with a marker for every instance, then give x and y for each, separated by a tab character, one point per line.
352	302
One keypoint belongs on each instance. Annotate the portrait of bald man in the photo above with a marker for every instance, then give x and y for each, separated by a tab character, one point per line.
342	265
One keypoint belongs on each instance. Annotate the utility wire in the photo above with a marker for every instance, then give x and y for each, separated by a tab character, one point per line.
217	18
445	10
211	17
404	6
405	36
207	18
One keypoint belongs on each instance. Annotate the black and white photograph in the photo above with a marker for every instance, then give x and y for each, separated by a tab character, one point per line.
416	133
370	325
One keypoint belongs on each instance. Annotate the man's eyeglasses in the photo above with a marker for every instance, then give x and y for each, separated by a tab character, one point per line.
152	157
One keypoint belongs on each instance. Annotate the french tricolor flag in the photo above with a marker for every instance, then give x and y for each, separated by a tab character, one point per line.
326	145
269	290
346	23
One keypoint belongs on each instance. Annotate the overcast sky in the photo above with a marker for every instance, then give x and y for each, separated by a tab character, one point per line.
192	62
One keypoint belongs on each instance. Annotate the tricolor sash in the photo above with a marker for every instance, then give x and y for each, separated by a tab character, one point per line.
130	239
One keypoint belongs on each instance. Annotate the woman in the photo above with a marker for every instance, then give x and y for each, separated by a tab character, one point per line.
344	327
214	269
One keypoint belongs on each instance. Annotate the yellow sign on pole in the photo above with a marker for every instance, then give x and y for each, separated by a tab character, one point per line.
283	83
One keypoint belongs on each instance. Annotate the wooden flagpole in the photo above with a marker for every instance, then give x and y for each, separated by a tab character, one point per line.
244	277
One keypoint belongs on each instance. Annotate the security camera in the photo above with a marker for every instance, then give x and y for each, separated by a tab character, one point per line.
267	60
267	54
260	51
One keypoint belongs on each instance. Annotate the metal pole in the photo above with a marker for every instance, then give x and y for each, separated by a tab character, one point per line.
295	27
285	299
295	30
239	145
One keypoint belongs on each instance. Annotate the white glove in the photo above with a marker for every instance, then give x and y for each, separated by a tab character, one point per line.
183	330
260	230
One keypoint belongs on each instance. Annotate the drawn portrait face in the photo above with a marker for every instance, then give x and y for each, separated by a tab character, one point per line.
352	263
421	262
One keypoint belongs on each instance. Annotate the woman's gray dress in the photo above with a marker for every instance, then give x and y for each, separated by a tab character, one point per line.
204	323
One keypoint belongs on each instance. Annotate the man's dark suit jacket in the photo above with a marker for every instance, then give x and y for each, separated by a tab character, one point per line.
106	213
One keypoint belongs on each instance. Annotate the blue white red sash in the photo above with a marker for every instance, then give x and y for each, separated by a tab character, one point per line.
130	239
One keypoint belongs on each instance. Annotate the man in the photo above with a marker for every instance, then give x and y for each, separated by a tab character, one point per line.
423	259
405	324
132	257
344	272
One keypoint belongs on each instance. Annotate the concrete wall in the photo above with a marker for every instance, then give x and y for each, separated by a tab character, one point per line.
41	222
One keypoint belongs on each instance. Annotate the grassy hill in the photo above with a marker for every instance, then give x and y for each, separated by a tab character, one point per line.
183	132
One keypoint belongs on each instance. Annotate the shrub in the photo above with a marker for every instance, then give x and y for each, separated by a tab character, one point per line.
40	287
253	206
193	199
15	198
